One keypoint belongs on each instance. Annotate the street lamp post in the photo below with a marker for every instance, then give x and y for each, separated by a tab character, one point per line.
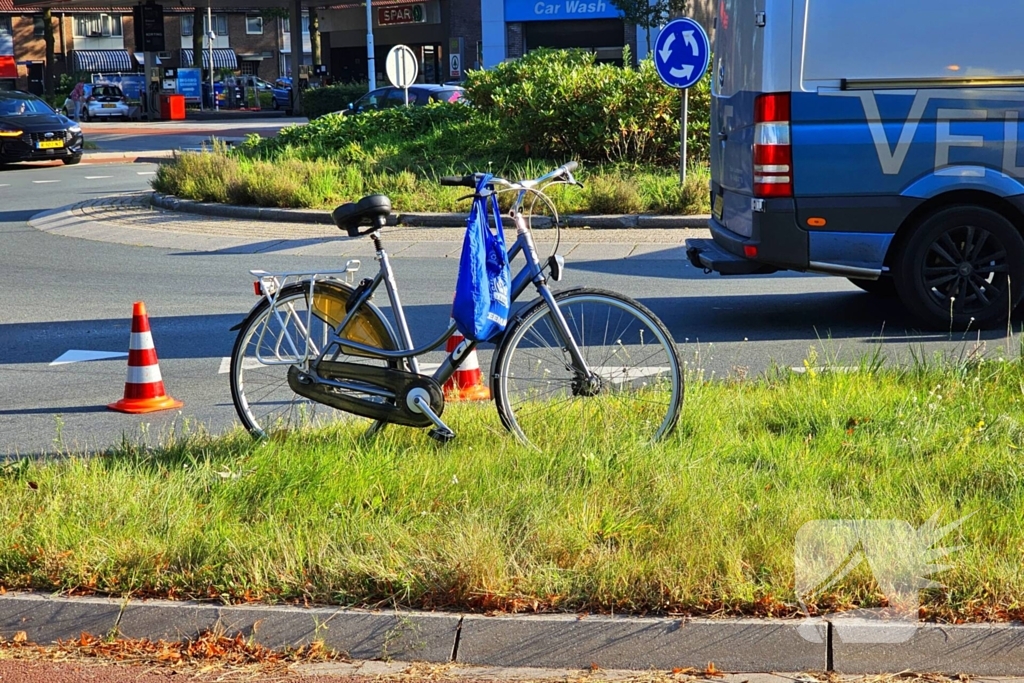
370	61
210	37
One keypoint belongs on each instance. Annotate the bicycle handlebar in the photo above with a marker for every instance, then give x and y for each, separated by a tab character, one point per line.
473	179
469	181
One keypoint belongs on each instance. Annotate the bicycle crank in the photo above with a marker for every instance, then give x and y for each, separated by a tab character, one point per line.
344	386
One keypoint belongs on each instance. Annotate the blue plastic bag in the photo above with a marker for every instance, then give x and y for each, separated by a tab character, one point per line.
484	286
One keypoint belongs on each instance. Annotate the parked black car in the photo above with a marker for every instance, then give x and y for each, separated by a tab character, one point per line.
31	131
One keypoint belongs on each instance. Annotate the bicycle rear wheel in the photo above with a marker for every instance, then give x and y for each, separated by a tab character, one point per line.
263	400
637	393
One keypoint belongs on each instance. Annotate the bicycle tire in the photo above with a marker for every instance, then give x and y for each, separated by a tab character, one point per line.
271	406
640	402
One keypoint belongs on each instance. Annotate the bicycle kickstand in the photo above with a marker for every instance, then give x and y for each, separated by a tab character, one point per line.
419	403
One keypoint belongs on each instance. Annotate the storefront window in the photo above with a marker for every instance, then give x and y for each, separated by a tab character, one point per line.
220	24
97	25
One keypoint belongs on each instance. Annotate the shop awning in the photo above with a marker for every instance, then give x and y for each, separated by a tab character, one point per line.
223	58
8	69
103	61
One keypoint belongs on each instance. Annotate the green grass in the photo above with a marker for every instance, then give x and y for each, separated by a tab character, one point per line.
704	523
403	153
292	181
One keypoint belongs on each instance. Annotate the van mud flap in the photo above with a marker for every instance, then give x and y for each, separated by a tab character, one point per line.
708	256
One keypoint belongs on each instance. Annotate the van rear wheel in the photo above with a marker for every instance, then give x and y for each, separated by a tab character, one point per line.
962	268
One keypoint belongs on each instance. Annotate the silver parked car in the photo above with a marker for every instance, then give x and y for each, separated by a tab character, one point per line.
101	102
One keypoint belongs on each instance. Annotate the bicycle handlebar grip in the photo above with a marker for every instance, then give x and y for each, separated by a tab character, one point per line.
570	167
459	181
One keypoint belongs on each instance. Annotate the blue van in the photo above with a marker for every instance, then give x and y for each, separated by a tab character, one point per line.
874	140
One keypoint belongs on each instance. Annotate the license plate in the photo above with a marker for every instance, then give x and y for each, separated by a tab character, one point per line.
109	106
719	207
50	144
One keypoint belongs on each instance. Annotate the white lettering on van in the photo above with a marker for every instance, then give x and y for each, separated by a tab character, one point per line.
892	160
1010	147
945	140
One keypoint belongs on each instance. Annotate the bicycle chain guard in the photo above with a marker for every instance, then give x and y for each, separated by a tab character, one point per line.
398	381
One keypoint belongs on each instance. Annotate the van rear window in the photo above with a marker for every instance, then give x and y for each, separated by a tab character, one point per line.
912	39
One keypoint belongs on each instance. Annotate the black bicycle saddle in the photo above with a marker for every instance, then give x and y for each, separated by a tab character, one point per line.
372	210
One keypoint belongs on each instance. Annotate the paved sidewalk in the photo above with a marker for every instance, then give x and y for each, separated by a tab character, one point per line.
131	219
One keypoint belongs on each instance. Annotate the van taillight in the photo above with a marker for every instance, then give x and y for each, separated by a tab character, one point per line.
773	154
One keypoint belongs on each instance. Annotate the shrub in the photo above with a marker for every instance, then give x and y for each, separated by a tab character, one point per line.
317	102
561	103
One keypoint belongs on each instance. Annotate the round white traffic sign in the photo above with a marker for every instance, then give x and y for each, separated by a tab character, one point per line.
402	66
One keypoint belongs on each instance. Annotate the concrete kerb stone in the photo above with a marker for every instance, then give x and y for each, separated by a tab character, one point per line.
362	634
638	643
612	222
546	641
423	220
90	155
699	222
976	649
46	619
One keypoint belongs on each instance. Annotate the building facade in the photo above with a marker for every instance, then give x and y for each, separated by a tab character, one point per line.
453	36
103	40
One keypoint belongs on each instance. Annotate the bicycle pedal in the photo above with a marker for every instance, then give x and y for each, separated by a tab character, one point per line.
441	435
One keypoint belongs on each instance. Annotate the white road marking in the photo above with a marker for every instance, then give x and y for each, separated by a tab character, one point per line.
5	185
145	173
77	356
619	375
97	177
247	364
43	182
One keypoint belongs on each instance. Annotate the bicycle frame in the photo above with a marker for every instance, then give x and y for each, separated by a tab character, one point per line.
532	272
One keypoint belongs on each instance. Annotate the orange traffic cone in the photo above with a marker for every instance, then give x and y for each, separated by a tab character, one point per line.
144	389
467	384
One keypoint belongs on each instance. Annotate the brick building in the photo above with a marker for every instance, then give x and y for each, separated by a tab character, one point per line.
102	39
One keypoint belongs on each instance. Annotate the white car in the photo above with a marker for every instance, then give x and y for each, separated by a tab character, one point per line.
101	102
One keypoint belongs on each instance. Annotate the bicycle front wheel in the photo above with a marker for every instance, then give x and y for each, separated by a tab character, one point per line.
635	391
272	339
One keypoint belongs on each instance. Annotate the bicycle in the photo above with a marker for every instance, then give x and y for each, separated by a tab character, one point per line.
579	358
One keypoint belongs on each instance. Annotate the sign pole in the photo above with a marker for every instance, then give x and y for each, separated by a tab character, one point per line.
371	65
211	35
682	56
682	137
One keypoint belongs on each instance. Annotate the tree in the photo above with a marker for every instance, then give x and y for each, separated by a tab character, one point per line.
648	14
314	35
50	76
198	17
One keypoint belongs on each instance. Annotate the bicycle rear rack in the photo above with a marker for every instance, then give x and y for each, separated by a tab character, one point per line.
284	349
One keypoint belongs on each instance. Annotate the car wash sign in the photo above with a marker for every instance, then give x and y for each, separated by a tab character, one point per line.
402	14
560	10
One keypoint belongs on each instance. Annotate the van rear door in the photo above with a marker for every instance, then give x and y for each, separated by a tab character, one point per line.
737	79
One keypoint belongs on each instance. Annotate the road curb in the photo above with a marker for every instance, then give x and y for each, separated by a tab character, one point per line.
424	220
537	641
97	157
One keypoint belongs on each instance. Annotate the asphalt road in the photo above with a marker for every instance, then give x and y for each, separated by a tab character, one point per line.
62	293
